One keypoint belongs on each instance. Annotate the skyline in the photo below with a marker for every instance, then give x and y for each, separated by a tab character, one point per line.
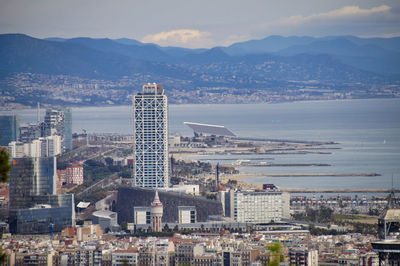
196	25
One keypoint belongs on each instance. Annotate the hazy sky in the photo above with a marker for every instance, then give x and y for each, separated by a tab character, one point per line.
205	23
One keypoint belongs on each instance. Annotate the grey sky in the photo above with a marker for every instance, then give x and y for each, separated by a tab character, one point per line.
206	23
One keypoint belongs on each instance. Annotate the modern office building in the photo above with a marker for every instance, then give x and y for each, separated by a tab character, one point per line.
9	129
255	206
59	122
35	206
32	131
150	131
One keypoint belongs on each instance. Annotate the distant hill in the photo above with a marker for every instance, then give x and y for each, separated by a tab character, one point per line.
379	55
249	64
82	57
269	44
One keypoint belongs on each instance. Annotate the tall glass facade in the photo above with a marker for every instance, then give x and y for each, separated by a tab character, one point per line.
33	200
9	129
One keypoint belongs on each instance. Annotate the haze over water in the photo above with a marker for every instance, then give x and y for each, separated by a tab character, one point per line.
368	133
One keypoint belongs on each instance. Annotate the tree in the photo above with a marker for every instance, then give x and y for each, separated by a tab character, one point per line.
276	254
5	169
166	228
5	166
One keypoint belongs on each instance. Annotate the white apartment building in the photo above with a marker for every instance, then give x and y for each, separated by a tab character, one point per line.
150	131
43	147
255	206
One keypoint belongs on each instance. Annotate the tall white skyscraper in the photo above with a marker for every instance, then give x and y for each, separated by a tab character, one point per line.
150	134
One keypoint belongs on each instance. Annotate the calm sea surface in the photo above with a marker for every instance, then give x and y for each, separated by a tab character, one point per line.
368	133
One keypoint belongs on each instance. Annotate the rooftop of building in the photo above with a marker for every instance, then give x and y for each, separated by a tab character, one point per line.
105	214
217	130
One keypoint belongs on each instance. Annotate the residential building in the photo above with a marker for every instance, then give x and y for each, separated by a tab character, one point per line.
42	147
150	131
125	257
74	174
255	206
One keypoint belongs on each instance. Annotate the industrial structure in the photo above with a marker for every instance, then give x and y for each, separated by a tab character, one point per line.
388	248
150	131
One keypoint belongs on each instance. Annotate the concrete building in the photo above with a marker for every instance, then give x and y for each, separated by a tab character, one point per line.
106	219
150	131
129	198
9	129
74	174
255	206
187	214
156	213
141	215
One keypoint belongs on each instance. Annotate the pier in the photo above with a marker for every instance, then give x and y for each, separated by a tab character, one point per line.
329	190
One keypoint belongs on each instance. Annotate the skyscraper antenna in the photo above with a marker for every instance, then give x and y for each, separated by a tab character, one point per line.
392	185
38	112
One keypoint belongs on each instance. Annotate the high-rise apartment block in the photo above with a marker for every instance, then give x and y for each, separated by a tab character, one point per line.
9	129
256	206
150	131
59	122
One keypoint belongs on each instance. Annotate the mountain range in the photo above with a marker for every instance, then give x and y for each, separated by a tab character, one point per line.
254	63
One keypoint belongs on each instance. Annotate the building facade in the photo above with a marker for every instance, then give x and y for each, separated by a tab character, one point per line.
156	213
35	206
43	147
74	174
150	131
255	206
59	122
9	129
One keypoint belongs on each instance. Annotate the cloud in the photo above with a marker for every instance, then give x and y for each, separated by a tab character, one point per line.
347	12
352	20
182	37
